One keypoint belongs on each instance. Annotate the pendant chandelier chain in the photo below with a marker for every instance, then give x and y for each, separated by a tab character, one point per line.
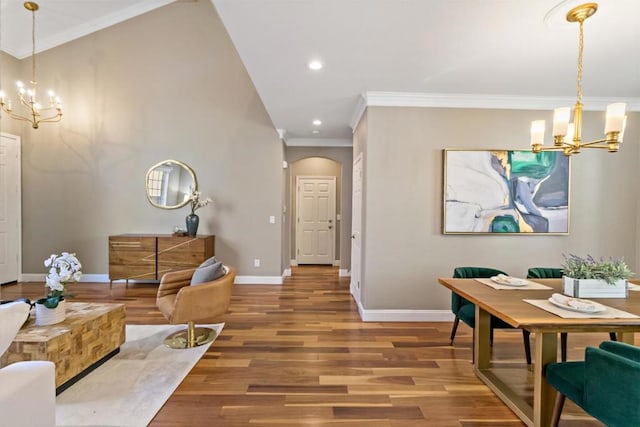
580	49
33	47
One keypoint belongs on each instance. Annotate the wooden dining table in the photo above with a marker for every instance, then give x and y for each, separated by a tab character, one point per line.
509	306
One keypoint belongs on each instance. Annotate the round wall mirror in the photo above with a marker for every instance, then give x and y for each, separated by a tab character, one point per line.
169	184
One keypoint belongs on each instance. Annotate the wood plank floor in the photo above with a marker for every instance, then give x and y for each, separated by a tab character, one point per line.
298	354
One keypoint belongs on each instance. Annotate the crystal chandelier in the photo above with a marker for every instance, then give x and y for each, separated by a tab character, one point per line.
567	137
31	110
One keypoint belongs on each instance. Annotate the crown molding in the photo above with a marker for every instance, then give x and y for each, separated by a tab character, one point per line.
319	142
504	102
282	133
86	28
361	106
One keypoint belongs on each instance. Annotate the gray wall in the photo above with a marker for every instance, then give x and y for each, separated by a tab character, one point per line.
11	70
165	85
313	161
404	251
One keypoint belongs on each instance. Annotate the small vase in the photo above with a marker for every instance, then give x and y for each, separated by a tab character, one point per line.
192	224
50	316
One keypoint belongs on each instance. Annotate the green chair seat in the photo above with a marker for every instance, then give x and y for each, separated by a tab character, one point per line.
605	384
568	377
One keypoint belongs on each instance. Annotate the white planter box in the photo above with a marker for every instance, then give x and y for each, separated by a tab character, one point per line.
593	288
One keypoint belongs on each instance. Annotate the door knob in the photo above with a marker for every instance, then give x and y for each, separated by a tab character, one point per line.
330	227
353	236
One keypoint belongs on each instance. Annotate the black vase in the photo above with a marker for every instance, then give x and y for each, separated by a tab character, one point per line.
192	224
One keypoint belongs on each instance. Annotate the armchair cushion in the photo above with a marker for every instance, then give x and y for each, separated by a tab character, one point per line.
27	394
13	316
209	270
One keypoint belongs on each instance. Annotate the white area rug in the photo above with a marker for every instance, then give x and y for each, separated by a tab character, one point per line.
130	388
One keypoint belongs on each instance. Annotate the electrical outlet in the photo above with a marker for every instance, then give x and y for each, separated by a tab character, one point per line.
272	219
256	262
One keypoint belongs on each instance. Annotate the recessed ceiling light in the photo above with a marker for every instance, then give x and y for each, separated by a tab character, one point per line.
317	122
315	65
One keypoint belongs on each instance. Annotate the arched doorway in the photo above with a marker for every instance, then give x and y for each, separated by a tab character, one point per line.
320	162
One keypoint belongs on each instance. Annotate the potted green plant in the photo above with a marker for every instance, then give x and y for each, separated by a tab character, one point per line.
589	278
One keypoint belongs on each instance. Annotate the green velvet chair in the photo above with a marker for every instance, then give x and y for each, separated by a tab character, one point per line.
605	384
464	310
556	273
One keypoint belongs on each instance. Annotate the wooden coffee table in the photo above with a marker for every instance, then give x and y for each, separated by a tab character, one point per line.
90	335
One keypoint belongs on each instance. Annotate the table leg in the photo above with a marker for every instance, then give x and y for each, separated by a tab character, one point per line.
627	337
543	394
482	331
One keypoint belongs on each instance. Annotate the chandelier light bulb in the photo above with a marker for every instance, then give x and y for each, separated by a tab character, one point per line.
571	131
561	121
537	132
615	117
624	127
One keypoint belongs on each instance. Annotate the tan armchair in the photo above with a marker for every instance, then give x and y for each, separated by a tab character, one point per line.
180	302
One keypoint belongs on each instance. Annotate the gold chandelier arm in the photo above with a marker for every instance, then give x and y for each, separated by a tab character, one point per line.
51	119
13	115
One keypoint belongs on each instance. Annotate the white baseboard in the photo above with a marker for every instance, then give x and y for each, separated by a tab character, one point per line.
343	272
293	263
40	277
392	315
336	263
398	315
259	280
104	278
286	272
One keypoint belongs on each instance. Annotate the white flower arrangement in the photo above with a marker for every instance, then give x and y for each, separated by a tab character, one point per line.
63	269
197	201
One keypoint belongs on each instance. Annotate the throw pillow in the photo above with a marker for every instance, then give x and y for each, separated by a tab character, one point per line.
208	262
207	273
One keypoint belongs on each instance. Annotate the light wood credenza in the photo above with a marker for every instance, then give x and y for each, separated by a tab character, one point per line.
149	256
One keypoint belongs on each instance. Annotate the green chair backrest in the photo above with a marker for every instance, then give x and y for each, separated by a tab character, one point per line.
544	273
457	302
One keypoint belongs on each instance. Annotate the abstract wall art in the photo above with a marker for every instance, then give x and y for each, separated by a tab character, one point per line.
505	192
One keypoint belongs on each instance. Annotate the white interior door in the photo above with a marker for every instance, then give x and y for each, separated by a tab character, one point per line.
9	207
356	228
315	230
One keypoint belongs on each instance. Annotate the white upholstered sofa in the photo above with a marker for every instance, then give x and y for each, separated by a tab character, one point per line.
27	389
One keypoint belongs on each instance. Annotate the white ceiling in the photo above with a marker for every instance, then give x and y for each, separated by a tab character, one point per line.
60	21
399	52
